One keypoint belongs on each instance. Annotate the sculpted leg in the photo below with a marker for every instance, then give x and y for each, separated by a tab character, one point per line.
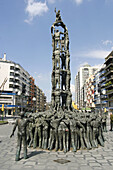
40	137
73	141
24	146
60	140
64	141
95	137
86	138
50	139
31	139
19	144
67	140
100	138
56	137
81	139
45	138
35	138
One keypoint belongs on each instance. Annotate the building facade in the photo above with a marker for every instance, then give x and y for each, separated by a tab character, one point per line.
13	80
84	73
40	100
89	91
100	96
32	95
109	80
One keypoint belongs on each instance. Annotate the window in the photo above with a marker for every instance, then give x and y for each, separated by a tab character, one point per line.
11	80
11	67
10	85
11	74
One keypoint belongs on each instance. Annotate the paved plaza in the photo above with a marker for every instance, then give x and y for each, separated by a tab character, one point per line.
96	159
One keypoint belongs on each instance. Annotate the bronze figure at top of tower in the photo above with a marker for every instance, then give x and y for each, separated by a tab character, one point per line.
58	22
58	16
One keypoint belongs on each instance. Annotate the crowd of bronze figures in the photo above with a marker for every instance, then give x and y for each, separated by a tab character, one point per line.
66	130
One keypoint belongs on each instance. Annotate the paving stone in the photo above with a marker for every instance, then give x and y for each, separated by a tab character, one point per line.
94	164
110	161
109	158
89	158
51	168
15	167
81	161
95	159
42	161
63	168
97	168
102	161
5	166
85	168
72	168
83	164
27	167
91	161
30	163
79	156
62	156
107	167
98	158
105	164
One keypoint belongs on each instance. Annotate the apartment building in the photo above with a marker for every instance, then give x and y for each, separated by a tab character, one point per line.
32	95
40	100
84	73
90	92
13	80
109	80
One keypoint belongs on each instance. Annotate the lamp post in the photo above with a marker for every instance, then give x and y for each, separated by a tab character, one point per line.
34	100
20	95
45	107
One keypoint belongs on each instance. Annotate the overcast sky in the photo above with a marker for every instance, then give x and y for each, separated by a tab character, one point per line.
26	39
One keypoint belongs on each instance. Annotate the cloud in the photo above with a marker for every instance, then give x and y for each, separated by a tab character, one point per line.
84	63
101	54
34	9
51	1
72	88
43	81
78	2
107	42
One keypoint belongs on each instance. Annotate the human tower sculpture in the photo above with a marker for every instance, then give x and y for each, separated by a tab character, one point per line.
61	127
61	95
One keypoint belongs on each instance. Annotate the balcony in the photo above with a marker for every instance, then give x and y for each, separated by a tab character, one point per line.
102	79
102	73
109	86
108	72
103	84
109	91
109	79
17	75
109	65
103	96
104	102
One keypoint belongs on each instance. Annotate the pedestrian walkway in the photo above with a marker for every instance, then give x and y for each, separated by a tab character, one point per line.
95	159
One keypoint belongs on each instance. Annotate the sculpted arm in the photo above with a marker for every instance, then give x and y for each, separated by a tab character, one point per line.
14	128
80	125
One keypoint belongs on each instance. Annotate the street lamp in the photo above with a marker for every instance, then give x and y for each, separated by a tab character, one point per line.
20	95
34	100
45	107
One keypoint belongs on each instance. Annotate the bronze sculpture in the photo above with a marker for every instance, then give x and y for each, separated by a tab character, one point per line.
61	127
21	123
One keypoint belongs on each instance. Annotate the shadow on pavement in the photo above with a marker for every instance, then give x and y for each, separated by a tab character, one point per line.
35	153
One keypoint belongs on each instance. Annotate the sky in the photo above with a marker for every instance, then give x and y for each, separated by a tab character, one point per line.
25	34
